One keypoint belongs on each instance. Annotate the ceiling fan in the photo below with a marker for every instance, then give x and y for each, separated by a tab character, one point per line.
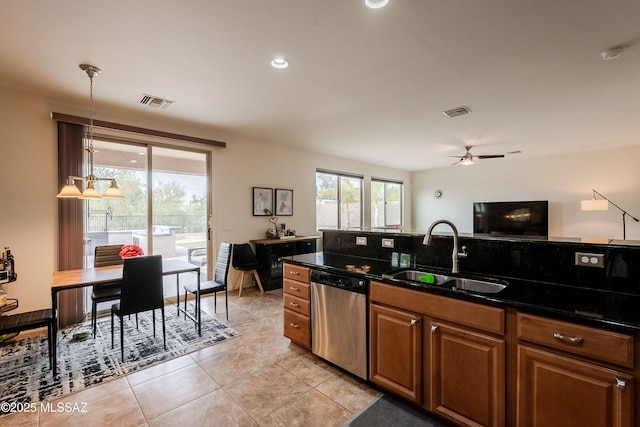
467	158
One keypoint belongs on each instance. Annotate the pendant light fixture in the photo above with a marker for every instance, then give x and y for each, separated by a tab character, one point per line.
70	189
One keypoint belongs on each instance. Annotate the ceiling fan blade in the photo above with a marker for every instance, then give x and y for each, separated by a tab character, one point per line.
453	164
490	156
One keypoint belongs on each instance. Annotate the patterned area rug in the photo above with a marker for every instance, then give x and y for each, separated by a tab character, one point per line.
24	363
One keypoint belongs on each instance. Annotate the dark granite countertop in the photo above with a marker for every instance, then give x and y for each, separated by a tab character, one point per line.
603	309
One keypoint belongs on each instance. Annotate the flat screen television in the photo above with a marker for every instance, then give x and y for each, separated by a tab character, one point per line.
529	218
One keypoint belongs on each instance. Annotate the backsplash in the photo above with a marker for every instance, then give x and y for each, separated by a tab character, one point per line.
536	260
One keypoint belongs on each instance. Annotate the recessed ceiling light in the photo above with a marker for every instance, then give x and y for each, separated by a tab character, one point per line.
133	162
375	4
279	63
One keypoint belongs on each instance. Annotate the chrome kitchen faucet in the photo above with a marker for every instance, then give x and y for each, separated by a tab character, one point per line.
456	255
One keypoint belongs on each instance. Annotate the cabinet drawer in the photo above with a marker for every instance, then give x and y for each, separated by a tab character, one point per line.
300	305
299	289
295	272
486	318
595	343
297	327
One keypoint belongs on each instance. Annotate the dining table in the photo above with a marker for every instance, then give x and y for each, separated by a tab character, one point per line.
112	274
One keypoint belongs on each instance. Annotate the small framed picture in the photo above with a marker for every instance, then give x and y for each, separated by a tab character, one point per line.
284	202
262	201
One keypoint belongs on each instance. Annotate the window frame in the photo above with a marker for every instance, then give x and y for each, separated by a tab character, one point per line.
339	199
386	182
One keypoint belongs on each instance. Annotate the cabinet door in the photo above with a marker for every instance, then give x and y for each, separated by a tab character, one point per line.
467	375
396	351
560	391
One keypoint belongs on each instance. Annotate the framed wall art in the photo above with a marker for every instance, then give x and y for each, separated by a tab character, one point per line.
262	201
284	202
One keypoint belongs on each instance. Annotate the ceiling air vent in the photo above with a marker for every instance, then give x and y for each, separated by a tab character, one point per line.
455	112
155	102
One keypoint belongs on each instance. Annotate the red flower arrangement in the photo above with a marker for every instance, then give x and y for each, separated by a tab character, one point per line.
130	251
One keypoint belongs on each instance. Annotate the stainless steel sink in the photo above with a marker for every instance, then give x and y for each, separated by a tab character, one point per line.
454	283
415	275
472	285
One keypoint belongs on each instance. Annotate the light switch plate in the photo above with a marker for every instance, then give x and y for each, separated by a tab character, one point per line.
361	241
387	243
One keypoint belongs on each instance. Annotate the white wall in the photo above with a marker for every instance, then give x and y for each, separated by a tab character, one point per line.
28	178
562	180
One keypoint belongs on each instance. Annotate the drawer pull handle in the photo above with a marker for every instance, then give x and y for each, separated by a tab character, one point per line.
293	304
294	273
414	322
620	383
293	288
294	325
434	328
572	340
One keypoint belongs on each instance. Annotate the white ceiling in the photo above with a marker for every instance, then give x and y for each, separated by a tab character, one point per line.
362	83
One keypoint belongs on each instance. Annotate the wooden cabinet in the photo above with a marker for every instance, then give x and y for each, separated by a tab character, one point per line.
461	354
396	351
269	254
572	380
467	375
297	304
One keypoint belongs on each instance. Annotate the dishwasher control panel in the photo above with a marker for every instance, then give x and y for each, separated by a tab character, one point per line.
349	283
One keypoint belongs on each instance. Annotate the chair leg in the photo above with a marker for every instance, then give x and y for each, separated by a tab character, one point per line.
94	322
226	302
121	338
235	282
241	283
49	338
255	275
136	320
112	329
215	302
164	333
153	315
185	303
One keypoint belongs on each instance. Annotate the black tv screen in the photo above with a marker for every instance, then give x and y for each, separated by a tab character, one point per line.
511	218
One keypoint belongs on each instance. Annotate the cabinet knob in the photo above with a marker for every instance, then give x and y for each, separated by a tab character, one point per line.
620	383
571	340
294	273
293	288
293	304
294	325
414	322
434	328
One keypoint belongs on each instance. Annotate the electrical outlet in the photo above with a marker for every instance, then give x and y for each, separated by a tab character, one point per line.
589	260
361	241
387	243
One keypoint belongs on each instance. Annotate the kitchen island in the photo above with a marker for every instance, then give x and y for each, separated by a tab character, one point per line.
535	351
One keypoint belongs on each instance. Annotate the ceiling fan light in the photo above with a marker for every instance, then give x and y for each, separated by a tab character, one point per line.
466	162
375	4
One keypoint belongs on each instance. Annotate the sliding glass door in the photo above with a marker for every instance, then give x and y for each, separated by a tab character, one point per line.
166	206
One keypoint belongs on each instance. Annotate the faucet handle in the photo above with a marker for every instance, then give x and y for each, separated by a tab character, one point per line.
463	254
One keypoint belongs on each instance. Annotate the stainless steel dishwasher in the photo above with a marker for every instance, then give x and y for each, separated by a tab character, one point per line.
339	321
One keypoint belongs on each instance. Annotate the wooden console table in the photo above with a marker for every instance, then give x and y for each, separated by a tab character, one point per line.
269	252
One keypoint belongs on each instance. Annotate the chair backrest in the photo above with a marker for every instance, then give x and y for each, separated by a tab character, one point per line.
141	288
243	256
107	255
222	264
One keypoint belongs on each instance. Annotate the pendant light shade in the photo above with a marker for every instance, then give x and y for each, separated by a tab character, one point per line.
70	190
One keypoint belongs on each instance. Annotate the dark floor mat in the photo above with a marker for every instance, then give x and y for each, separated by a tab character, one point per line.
388	411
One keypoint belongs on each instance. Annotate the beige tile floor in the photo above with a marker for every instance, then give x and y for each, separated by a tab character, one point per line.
257	379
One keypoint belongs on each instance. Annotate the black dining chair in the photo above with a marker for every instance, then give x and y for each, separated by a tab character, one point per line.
104	255
141	291
218	284
245	261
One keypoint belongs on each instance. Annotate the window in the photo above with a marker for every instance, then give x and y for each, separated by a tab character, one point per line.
386	203
338	200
